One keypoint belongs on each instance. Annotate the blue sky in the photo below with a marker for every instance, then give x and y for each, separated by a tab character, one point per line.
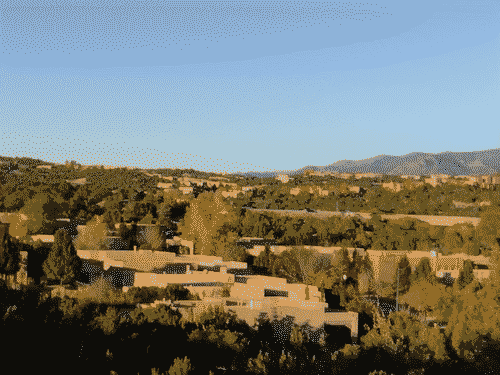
247	85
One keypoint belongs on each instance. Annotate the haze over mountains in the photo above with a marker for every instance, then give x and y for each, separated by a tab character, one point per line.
416	163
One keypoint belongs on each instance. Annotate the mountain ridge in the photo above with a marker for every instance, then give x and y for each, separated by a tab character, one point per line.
415	163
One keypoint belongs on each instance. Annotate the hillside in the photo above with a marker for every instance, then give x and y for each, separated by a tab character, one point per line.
416	163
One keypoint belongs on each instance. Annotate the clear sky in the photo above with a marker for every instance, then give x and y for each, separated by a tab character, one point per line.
247	85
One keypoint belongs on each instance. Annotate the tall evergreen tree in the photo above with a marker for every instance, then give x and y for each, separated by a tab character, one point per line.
404	275
10	257
344	263
466	275
423	271
63	263
264	259
356	266
368	266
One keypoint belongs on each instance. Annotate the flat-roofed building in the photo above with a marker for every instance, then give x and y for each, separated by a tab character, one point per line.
186	189
164	185
393	186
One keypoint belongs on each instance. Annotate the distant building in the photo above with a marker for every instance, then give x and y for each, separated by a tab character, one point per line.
368	175
43	237
356	190
186	189
80	181
393	186
213	183
163	185
440	176
432	181
232	194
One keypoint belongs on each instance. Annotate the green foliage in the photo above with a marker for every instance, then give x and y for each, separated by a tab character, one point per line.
93	237
164	315
266	258
222	338
473	320
488	230
144	295
297	265
63	263
423	271
101	291
137	317
108	322
180	367
9	256
424	295
260	365
403	334
344	263
148	219
232	253
226	292
466	275
404	275
41	210
210	223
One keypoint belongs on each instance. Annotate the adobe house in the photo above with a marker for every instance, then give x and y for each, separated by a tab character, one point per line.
164	185
148	268
252	296
357	190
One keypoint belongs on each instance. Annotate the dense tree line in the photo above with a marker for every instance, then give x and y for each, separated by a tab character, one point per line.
402	234
412	199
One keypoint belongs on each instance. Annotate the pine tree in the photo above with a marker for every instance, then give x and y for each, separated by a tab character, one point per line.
10	257
63	263
344	262
404	275
368	266
356	266
466	275
423	271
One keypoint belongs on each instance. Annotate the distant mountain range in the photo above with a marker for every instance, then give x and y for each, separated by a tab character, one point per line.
416	163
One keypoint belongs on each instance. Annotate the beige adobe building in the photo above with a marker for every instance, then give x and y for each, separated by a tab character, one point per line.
368	175
186	189
163	185
232	194
393	186
414	177
344	175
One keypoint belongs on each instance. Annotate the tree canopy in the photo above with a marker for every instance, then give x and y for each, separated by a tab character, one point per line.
63	263
210	223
